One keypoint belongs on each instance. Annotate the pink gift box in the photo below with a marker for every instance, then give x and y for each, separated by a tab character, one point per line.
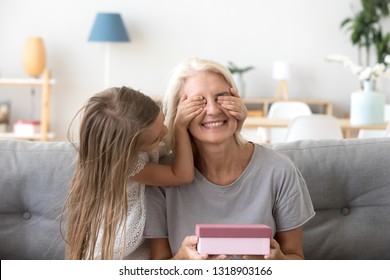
233	239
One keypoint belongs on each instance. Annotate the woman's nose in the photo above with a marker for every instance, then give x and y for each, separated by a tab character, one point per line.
212	107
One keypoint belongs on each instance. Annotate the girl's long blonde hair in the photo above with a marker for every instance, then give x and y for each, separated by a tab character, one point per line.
110	129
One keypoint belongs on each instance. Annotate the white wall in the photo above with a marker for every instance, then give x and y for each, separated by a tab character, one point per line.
247	32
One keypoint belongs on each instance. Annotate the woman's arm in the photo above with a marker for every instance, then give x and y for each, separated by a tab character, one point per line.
182	169
160	249
287	245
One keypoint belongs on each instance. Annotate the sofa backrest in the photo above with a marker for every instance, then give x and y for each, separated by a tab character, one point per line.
348	180
34	183
349	183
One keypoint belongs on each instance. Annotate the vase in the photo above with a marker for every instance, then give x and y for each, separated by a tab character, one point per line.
367	106
240	84
34	57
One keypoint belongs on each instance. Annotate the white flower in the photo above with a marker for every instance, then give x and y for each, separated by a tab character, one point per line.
387	59
378	70
364	73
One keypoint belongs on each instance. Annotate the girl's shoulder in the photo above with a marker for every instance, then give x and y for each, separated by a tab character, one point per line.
158	153
143	158
152	157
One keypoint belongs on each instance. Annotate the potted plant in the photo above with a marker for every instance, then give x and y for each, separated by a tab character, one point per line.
237	73
366	30
367	106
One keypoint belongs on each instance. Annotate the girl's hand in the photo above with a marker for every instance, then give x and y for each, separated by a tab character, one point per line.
235	106
188	109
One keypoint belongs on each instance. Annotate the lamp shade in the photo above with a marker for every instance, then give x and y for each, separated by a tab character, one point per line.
281	70
108	27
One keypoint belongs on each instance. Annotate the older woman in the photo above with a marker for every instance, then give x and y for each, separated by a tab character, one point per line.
235	181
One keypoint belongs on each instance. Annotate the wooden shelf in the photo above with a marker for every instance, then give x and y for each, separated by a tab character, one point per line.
24	82
45	82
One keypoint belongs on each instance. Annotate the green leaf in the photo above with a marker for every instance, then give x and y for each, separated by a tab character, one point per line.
235	69
365	27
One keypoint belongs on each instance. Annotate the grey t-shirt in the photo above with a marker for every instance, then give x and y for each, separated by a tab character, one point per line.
270	191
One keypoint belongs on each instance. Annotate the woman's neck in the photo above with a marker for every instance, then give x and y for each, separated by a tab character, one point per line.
223	163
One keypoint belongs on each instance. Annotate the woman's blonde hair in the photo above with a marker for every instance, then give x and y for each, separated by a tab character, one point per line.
111	125
181	72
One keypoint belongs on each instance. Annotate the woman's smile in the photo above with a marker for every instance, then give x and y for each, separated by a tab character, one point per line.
213	124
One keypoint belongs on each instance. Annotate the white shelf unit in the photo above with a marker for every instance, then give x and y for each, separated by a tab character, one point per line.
45	82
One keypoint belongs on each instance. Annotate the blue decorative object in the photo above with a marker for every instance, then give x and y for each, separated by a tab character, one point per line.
108	27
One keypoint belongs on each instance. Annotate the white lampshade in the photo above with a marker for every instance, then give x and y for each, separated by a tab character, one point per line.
281	70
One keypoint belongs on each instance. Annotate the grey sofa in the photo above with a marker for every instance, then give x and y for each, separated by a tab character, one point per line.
348	180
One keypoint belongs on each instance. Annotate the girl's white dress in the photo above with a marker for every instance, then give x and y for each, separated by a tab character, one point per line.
136	247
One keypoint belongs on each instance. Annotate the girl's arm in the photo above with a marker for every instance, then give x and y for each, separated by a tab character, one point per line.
235	106
182	169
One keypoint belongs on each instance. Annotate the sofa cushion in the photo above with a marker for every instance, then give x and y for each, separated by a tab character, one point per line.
348	180
349	183
34	183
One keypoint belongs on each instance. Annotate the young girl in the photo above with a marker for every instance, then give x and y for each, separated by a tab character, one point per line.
120	133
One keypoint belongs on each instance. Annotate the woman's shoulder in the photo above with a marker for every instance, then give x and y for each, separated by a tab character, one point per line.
262	150
271	157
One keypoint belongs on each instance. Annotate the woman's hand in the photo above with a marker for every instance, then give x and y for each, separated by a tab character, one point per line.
235	106
275	253
188	250
188	109
289	247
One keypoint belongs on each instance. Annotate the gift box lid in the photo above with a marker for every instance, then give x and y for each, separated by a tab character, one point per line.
233	230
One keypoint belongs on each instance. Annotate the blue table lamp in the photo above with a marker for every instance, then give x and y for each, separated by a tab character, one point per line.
108	27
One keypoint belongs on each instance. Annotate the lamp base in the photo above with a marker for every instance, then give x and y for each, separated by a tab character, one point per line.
282	90
107	66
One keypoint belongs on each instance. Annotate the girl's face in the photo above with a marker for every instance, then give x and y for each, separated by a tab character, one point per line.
154	134
215	124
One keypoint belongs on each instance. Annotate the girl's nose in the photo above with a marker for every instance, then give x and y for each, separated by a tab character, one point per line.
165	130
